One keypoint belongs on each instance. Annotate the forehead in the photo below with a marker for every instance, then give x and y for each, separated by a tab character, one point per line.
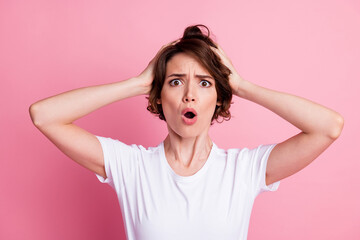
183	63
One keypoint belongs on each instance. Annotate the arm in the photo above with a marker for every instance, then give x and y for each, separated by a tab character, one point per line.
54	116
320	126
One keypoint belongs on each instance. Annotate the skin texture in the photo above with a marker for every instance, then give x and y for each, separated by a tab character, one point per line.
319	126
187	147
187	85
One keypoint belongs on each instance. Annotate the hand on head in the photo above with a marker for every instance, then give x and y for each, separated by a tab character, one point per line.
234	78
147	76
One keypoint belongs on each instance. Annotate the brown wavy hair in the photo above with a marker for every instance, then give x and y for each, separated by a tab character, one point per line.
198	44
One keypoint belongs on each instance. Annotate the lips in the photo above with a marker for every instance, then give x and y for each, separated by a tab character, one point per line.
189	116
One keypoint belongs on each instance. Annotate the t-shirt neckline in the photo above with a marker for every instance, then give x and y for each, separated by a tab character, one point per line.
193	177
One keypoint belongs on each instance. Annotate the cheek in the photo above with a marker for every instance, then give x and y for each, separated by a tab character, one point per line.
208	106
211	98
210	110
169	105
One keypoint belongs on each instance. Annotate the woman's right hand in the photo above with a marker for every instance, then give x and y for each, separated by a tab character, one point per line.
147	76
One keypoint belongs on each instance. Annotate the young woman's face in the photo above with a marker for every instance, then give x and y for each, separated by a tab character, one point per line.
188	96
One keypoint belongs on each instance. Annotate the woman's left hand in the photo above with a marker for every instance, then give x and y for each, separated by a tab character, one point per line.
234	78
319	125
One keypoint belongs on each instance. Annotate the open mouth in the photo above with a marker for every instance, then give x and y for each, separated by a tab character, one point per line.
189	115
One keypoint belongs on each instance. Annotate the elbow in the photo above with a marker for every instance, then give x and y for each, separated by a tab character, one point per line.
34	114
337	127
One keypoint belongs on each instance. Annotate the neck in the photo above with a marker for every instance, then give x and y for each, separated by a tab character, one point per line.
187	152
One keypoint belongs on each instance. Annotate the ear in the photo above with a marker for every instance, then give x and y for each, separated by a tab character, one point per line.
158	101
218	103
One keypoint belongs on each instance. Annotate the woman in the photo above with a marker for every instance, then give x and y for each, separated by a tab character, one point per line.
187	187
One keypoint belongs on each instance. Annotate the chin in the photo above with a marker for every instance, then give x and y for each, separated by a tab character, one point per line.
188	131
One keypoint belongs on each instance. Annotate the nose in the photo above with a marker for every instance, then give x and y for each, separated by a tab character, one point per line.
190	93
189	99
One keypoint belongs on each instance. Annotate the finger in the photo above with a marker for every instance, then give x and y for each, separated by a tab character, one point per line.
220	54
220	49
166	45
175	42
215	50
162	48
171	43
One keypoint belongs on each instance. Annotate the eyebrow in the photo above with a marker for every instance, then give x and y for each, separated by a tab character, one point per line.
183	75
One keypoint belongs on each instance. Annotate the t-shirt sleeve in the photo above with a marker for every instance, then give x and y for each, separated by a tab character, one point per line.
117	160
259	158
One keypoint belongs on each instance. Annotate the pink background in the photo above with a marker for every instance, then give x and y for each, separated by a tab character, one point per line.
308	48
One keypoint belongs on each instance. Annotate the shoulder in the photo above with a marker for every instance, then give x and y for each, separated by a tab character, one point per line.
244	152
108	142
229	151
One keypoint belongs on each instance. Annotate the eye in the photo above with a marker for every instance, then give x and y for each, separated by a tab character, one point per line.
175	82
205	83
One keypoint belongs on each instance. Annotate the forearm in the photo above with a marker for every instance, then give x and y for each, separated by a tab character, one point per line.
309	117
66	107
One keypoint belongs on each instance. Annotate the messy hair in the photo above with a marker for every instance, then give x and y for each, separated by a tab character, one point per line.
198	44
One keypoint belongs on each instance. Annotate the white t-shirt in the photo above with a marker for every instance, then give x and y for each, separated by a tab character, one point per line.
158	204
